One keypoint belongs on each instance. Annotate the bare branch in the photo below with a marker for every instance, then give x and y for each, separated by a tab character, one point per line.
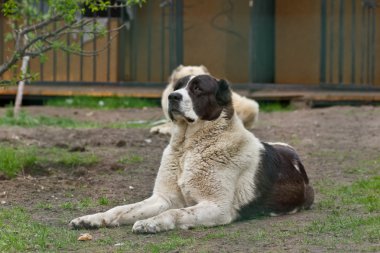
40	25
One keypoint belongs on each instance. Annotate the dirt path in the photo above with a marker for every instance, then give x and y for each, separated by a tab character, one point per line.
331	142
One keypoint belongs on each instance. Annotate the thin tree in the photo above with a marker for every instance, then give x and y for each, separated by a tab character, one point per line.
36	30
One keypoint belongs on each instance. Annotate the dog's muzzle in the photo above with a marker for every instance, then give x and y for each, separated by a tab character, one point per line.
174	108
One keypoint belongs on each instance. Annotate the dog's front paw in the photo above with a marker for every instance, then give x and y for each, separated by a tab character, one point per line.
146	227
89	222
161	129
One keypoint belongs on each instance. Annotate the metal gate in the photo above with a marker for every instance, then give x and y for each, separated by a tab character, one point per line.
154	44
348	46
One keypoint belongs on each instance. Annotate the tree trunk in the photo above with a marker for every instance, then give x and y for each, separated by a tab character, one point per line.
21	84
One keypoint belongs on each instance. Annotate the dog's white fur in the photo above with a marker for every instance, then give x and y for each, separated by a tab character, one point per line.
204	178
246	109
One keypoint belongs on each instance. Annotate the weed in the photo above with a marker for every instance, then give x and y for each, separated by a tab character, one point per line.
26	120
19	233
275	107
103	102
173	242
45	206
85	203
68	206
103	201
131	159
13	160
72	160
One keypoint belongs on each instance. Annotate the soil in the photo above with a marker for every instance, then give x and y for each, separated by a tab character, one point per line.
329	140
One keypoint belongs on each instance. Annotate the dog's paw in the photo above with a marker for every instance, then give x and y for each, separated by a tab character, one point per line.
161	129
89	222
146	227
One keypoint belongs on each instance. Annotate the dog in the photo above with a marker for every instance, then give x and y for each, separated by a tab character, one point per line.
247	109
214	171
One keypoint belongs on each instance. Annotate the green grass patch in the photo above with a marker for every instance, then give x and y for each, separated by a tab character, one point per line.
69	159
173	242
275	107
131	159
363	194
64	158
103	201
14	160
45	206
19	233
353	213
104	103
25	120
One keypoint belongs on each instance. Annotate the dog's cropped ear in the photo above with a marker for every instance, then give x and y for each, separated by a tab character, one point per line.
223	94
203	67
179	67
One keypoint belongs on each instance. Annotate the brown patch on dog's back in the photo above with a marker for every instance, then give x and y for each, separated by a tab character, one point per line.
282	185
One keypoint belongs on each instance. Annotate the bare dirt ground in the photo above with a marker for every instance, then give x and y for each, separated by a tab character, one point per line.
330	141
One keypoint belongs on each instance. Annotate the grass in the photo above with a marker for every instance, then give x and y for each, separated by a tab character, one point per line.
353	213
25	120
275	107
346	218
103	102
173	242
72	160
19	233
13	160
131	159
29	121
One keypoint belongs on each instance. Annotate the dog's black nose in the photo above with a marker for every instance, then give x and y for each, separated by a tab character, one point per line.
175	96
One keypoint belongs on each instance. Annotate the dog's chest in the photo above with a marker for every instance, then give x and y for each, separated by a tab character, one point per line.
195	178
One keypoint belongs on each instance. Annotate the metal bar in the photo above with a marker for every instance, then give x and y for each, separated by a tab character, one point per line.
368	46
322	77
341	42
373	46
162	25
94	49
131	37
134	52
2	42
68	59
41	63
149	42
331	42
123	48
251	42
171	37
81	55
353	41
179	32
362	46
55	58
109	44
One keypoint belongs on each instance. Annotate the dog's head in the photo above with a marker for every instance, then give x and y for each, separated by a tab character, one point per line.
200	97
182	71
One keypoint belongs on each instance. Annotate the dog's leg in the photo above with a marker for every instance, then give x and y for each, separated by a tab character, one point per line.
121	215
162	129
203	214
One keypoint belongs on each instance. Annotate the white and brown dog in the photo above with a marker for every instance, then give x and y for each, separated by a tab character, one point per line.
246	109
213	171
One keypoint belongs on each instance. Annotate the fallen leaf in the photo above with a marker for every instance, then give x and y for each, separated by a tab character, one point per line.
85	237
